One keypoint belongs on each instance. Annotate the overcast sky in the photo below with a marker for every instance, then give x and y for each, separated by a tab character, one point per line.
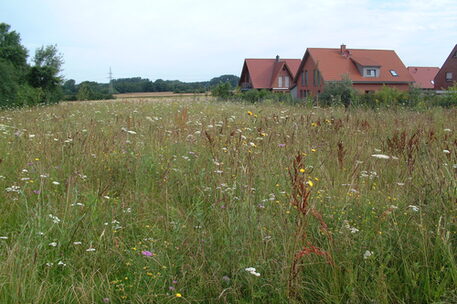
195	40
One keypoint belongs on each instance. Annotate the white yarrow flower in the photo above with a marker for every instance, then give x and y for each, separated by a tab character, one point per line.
252	271
53	244
414	208
55	219
380	156
367	254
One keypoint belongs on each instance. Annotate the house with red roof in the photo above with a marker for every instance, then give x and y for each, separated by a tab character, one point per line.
423	76
271	74
369	70
447	75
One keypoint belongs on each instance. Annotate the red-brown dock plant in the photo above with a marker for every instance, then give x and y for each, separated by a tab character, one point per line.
300	200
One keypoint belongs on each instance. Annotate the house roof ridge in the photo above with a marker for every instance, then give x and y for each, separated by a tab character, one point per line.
350	49
422	66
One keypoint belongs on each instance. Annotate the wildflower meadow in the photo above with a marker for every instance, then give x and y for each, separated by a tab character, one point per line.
191	200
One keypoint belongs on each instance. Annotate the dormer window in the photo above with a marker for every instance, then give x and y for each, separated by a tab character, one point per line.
393	73
370	72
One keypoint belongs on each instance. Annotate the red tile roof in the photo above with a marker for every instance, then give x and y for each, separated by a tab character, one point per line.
263	71
365	61
333	65
423	76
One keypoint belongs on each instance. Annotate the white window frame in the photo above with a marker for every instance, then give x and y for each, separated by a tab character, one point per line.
286	81
448	76
371	72
280	82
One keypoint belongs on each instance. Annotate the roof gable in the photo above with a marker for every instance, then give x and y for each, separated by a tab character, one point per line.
450	65
263	71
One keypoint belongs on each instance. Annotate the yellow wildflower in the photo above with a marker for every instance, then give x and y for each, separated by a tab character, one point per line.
178	295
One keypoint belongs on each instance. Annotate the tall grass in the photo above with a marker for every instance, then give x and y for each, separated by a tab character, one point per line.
171	201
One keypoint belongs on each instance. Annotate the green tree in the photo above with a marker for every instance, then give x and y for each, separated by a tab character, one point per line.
338	92
222	91
85	91
11	49
48	56
13	64
8	83
69	87
45	73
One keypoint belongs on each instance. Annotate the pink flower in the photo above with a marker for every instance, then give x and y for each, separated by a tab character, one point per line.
281	145
147	253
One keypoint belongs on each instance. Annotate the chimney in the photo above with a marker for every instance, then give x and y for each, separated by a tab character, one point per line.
277	58
343	49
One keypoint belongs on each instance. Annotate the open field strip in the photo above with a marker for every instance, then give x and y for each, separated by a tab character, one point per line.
157	94
190	201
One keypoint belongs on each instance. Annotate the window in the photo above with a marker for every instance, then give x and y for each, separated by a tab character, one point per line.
448	76
371	72
317	78
303	79
394	73
306	78
286	80
280	82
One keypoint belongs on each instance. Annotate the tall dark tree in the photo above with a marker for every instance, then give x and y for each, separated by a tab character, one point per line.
13	64
11	49
69	87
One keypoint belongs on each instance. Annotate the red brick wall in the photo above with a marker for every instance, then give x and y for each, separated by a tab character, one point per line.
312	89
450	65
283	73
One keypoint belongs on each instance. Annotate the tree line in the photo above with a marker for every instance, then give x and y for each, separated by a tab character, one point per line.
40	81
93	90
22	83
